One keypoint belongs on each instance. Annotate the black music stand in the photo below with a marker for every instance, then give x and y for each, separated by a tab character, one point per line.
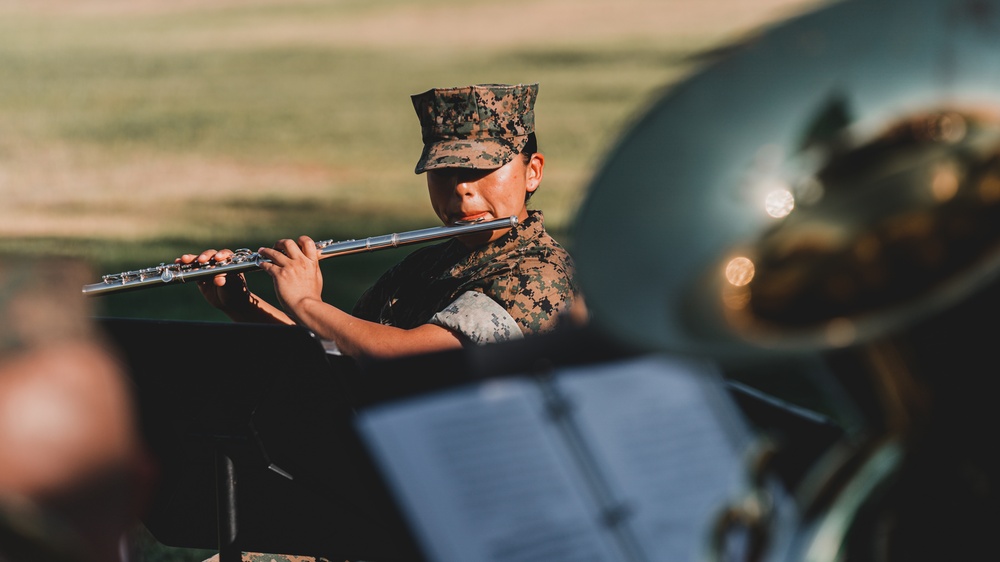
251	428
805	434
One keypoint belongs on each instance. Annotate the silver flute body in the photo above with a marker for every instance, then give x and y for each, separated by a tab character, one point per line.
244	260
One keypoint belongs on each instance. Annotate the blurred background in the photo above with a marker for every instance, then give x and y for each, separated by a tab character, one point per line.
132	131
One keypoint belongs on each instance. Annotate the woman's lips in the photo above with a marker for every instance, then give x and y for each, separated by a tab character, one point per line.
468	217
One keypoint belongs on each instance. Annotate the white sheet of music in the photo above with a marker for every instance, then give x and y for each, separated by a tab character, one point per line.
500	471
670	441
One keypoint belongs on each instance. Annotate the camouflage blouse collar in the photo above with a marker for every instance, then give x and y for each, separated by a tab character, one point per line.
528	226
525	231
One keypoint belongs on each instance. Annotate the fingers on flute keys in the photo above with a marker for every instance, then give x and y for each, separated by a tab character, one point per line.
205	257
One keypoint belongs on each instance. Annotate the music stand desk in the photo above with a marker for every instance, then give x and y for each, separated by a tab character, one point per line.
251	428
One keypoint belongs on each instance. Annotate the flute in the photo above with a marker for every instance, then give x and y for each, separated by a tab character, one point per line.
243	259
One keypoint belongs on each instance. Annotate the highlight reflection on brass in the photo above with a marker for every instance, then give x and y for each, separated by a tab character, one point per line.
840	332
944	184
779	203
739	271
907	212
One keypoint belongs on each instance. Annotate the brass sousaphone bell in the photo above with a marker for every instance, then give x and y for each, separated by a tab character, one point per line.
831	189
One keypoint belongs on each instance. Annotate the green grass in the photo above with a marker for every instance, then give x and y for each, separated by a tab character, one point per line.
120	91
343	108
86	96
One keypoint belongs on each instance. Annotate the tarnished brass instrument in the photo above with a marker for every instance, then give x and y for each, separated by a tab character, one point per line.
244	259
829	193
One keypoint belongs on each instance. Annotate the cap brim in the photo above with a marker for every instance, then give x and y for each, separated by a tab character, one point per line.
479	154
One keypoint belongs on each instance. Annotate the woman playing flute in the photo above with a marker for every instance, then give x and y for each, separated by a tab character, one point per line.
481	162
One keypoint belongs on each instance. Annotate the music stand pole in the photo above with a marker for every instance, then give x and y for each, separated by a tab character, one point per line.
225	485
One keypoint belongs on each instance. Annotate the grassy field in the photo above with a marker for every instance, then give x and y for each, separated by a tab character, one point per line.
134	131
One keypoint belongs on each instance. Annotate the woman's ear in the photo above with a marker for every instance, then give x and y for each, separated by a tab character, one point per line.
533	172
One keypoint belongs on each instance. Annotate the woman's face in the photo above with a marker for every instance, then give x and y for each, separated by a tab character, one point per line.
464	194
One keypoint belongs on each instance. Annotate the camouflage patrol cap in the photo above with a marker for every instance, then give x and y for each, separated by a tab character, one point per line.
480	126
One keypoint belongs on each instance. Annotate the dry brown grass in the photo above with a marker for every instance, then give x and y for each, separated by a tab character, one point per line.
409	24
68	191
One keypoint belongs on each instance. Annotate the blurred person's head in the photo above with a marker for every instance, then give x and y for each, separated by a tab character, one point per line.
70	455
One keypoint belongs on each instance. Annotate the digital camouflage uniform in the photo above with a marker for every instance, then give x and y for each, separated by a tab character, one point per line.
525	276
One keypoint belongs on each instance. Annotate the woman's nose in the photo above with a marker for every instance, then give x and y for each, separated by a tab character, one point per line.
465	185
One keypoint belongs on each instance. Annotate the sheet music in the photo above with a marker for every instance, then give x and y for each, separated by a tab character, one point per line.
485	473
483	476
665	433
